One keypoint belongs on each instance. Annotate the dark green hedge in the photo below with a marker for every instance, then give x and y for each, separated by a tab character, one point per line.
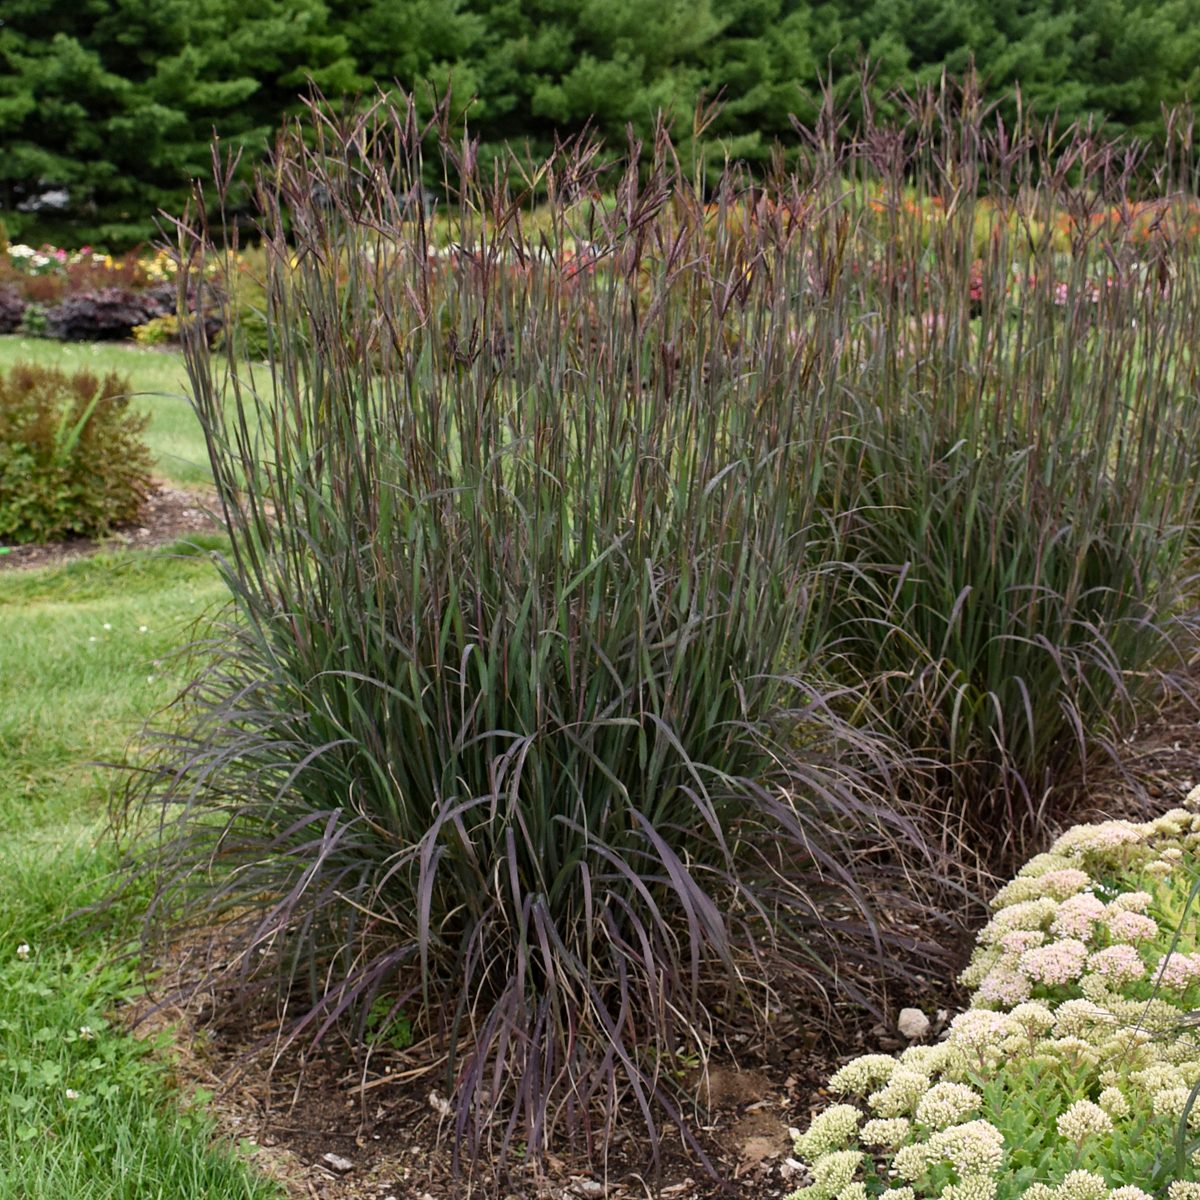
115	101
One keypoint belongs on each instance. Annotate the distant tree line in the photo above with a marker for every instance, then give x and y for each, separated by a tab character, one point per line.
107	107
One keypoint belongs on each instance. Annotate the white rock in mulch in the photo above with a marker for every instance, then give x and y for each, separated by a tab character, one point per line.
912	1023
337	1164
588	1189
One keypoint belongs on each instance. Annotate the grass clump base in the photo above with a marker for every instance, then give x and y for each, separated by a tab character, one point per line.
1074	1073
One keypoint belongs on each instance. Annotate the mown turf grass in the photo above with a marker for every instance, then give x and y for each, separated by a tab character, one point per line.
160	381
87	1110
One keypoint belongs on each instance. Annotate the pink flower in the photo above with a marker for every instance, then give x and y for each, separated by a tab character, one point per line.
1055	964
1131	926
1118	964
1177	971
1078	915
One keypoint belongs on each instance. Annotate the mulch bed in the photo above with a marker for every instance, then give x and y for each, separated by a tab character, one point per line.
169	515
335	1131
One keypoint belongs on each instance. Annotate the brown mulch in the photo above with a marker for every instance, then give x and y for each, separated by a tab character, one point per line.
169	515
388	1132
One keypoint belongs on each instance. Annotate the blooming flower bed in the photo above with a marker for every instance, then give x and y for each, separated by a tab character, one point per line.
1072	1074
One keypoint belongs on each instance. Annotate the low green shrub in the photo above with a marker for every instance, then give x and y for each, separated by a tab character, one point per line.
1073	1075
72	461
159	331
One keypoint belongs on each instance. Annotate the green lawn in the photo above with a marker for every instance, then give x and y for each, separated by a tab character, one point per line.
160	384
86	1110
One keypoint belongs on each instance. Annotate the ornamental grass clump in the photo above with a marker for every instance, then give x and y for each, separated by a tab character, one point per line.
1071	1083
1020	475
508	733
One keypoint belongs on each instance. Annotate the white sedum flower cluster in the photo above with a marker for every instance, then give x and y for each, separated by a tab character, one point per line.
1068	1076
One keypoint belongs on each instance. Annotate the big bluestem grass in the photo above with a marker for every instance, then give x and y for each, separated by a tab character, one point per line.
510	731
601	582
1013	548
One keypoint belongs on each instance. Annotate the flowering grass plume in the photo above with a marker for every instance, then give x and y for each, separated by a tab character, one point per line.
1070	1075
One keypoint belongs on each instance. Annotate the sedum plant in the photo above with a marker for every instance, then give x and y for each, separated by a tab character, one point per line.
1073	1074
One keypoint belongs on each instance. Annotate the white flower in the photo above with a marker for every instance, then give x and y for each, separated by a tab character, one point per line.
863	1073
1113	1101
888	1132
143	629
832	1172
975	1187
1034	1017
900	1095
1103	838
1083	1120
947	1104
23	950
1170	1102
86	1033
829	1131
71	1094
976	1148
1083	1185
911	1161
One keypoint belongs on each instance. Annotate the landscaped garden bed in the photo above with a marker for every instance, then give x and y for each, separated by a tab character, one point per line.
648	613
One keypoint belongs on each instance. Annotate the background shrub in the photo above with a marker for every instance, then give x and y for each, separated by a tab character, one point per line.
107	314
99	139
12	309
71	458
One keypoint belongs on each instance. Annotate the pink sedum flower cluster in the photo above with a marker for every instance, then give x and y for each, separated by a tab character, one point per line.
1068	1076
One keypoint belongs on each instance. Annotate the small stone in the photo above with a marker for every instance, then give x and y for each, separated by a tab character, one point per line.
912	1023
589	1189
337	1164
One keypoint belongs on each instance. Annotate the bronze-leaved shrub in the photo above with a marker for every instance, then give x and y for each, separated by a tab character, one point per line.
72	461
